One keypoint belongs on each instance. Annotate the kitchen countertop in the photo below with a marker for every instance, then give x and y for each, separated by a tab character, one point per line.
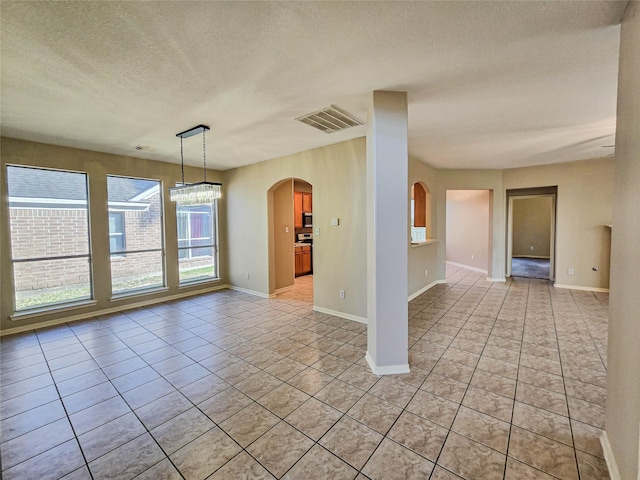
302	244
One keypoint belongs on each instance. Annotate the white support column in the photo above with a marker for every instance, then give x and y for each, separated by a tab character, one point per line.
387	233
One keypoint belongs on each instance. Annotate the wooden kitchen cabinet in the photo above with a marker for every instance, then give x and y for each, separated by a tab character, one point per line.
298	259
302	256
307	206
297	209
302	203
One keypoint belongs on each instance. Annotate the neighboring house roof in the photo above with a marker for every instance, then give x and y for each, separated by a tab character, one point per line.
38	183
35	187
125	189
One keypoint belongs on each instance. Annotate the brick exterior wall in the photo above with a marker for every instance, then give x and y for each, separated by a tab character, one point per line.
143	231
49	232
46	232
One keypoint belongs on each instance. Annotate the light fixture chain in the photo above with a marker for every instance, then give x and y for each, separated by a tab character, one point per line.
204	153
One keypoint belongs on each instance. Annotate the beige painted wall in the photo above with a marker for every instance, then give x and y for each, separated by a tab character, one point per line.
584	206
468	227
282	235
429	257
480	180
532	227
623	358
337	174
98	166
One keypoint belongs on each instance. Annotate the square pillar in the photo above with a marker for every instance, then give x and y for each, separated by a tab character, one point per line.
387	233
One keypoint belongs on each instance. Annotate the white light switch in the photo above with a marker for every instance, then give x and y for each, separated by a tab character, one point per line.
335	222
317	230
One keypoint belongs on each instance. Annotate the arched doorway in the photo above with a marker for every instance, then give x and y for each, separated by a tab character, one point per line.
290	210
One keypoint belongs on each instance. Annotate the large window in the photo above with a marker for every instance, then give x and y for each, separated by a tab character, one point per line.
135	234
49	226
197	242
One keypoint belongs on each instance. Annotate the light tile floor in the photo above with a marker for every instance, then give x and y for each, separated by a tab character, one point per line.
302	289
507	382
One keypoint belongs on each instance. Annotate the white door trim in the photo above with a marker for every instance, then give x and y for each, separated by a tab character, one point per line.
552	232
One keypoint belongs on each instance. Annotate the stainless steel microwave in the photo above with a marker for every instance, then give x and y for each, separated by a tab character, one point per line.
307	219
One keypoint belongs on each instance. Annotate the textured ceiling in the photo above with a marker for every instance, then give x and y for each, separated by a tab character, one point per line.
490	84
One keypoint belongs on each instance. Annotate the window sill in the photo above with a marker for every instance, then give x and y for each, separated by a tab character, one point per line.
199	281
137	293
39	312
426	242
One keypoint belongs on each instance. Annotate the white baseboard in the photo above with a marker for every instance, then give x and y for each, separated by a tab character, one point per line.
586	289
108	311
424	289
468	267
612	466
497	279
335	313
251	292
386	370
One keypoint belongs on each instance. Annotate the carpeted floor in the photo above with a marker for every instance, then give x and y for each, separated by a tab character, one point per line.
530	267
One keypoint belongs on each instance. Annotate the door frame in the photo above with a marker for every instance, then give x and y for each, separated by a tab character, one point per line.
272	241
531	193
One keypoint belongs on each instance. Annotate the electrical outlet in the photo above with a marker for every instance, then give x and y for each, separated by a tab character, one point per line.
595	269
570	271
473	257
426	273
286	229
341	293
318	231
531	247
247	276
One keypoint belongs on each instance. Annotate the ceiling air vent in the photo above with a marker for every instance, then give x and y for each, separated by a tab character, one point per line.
329	120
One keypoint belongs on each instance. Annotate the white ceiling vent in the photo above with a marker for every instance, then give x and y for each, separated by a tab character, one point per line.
329	120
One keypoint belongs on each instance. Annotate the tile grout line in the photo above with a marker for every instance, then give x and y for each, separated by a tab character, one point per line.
476	367
253	401
564	386
73	429
384	436
588	329
127	403
450	428
524	324
435	464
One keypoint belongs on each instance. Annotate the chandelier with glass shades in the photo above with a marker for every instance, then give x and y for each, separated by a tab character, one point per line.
201	193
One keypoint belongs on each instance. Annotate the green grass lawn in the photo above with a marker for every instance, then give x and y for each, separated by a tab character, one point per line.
200	272
71	293
41	298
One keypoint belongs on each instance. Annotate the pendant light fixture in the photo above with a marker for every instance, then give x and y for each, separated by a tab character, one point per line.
201	193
